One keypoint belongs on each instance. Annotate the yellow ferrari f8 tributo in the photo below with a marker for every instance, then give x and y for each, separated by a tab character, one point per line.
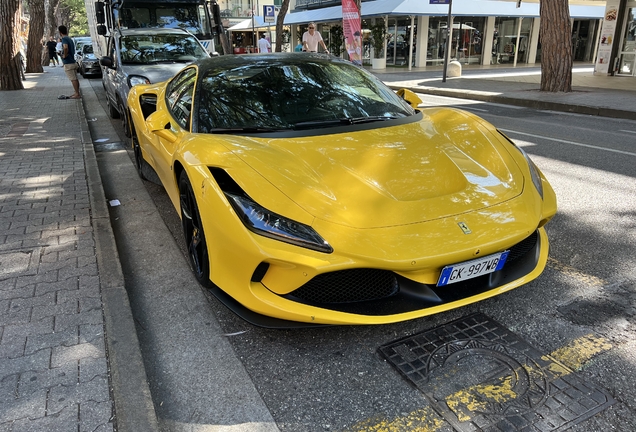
311	192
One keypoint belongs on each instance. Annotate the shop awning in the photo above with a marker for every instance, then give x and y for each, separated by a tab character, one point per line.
380	8
333	13
247	24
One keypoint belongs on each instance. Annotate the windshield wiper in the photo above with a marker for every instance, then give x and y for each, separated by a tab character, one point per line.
370	119
341	121
244	130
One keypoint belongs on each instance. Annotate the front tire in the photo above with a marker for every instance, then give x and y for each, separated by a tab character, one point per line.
193	232
125	121
112	111
139	158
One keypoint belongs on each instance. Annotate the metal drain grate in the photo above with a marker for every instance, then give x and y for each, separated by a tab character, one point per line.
480	376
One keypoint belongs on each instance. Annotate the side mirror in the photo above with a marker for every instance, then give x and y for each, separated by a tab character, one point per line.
106	62
100	16
410	97
159	123
216	17
101	30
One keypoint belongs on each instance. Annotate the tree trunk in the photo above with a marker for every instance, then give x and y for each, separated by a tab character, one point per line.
9	41
51	22
284	7
36	31
556	46
50	27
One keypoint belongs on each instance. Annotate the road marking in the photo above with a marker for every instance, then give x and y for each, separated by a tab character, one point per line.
577	274
476	109
569	142
578	352
628	131
475	399
422	420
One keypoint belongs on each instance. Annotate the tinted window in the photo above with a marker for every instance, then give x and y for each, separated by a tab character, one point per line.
147	49
179	96
282	94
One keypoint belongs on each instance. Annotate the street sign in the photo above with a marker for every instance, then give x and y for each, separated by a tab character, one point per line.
269	13
438	1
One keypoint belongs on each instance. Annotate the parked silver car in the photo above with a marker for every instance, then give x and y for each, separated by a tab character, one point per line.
144	56
88	62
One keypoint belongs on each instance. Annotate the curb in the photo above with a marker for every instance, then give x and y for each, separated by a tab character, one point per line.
526	103
134	409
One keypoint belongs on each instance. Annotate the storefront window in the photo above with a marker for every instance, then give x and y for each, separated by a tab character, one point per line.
627	62
466	45
436	41
504	44
398	42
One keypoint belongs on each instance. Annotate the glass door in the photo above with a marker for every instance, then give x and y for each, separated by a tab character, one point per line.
627	56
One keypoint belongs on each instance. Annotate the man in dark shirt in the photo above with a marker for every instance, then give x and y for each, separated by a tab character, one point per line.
50	45
70	65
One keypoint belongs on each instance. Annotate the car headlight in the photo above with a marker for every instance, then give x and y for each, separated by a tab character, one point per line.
133	80
534	171
268	224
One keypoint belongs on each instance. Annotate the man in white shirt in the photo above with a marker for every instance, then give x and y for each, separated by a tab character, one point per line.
263	44
311	39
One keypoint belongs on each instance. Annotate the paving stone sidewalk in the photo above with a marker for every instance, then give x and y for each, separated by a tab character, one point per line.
54	373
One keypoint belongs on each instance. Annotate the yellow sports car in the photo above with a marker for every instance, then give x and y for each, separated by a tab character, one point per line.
310	192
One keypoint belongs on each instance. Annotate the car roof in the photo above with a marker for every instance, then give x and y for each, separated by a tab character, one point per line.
153	31
232	61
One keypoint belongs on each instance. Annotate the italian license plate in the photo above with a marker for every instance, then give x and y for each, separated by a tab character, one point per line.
472	269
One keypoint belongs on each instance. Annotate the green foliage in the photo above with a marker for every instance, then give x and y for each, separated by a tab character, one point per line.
336	40
377	38
73	14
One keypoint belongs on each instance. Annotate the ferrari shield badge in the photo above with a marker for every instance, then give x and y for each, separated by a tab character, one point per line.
464	227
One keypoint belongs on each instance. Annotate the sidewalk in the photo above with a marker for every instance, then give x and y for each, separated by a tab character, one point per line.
591	94
69	354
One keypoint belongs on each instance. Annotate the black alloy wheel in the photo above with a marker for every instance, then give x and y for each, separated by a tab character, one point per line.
193	232
139	158
125	120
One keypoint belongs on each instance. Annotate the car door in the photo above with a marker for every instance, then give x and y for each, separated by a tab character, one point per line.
109	76
179	100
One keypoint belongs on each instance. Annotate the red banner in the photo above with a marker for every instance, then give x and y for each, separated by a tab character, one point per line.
352	30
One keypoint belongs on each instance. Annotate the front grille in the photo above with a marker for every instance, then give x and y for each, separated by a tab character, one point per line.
523	247
359	285
348	286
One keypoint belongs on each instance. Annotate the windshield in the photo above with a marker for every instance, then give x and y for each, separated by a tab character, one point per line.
290	94
145	49
188	17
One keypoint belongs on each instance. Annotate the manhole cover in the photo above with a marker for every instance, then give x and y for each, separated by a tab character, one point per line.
480	376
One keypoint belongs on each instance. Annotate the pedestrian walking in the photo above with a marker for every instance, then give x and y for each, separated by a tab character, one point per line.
70	65
263	44
51	46
311	39
58	48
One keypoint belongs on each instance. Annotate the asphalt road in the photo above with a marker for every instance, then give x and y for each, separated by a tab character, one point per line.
333	378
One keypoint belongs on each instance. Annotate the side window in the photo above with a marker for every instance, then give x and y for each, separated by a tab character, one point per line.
111	51
179	95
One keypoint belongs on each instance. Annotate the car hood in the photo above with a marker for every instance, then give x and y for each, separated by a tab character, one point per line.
447	164
154	72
